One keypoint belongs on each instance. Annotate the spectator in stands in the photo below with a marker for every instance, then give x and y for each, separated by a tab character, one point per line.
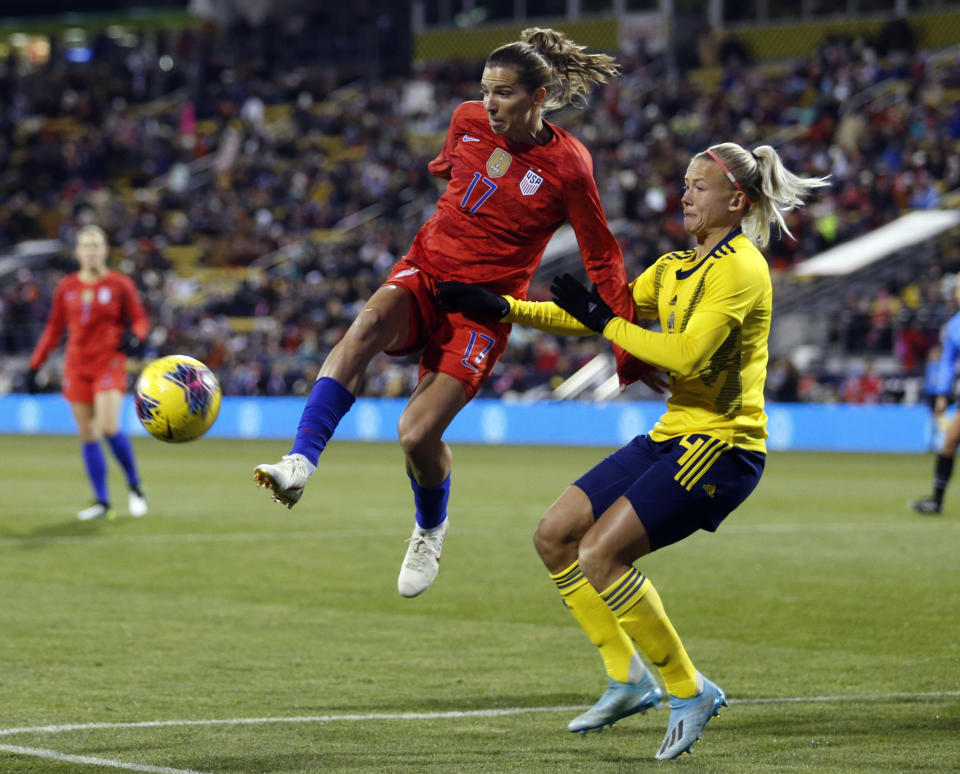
783	381
911	343
153	171
863	386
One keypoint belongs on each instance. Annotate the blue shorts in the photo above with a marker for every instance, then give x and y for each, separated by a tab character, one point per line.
676	486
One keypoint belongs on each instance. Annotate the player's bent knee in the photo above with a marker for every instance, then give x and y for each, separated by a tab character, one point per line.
541	541
544	546
595	561
950	444
416	439
551	538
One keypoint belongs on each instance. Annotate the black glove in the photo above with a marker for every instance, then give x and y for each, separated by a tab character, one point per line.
130	344
585	305
471	299
31	382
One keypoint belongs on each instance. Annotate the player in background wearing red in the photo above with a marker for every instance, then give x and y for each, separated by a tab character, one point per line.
514	179
104	319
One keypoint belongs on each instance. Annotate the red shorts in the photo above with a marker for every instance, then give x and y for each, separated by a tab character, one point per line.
466	348
81	384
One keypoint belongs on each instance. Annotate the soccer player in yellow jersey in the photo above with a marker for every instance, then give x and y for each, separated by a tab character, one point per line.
701	459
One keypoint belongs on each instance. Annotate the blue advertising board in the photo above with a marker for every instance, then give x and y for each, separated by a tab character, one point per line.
792	426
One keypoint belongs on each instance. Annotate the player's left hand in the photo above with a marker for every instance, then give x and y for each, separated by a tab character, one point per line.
131	344
585	305
655	379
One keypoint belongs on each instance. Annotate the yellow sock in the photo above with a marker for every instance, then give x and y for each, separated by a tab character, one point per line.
598	621
637	605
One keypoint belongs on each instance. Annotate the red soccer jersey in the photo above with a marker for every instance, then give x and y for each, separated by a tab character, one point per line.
503	203
95	315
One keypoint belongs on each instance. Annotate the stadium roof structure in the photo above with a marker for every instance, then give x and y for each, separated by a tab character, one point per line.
27	253
908	230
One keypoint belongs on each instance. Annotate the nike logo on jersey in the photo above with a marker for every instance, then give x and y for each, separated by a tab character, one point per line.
405	273
468	138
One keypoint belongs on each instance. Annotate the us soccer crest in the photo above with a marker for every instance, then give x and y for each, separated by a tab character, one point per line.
530	183
498	163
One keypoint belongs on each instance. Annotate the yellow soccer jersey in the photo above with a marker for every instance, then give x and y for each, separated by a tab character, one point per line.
715	316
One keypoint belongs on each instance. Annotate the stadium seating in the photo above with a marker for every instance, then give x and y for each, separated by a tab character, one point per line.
316	188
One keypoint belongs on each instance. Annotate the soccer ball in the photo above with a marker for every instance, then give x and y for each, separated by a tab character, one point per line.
177	398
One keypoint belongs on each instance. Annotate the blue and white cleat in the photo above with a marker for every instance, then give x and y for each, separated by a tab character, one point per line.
620	700
688	718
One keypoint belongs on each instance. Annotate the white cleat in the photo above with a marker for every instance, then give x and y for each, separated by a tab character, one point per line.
422	562
286	478
97	511
137	504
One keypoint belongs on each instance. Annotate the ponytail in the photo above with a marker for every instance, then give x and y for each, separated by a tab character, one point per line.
769	187
549	59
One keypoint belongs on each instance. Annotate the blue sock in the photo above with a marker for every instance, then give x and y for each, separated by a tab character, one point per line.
431	503
123	451
328	402
96	469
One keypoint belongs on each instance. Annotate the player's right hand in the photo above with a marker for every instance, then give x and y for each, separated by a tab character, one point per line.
586	305
471	299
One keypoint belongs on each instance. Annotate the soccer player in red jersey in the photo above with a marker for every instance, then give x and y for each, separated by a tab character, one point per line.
104	319
514	179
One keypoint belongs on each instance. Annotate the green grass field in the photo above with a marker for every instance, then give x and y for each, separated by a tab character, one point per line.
223	633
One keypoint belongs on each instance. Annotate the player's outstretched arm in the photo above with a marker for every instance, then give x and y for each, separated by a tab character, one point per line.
467	298
474	299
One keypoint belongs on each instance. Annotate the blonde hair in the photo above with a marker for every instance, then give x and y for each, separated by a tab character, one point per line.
771	189
94	229
549	59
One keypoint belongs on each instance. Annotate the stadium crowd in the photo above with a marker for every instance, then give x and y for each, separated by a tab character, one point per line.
256	203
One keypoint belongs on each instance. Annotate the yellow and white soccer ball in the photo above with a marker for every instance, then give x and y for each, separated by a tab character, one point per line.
177	398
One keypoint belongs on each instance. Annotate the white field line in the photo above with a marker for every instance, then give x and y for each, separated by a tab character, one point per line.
484	713
106	762
53	755
212	537
814	528
327	534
